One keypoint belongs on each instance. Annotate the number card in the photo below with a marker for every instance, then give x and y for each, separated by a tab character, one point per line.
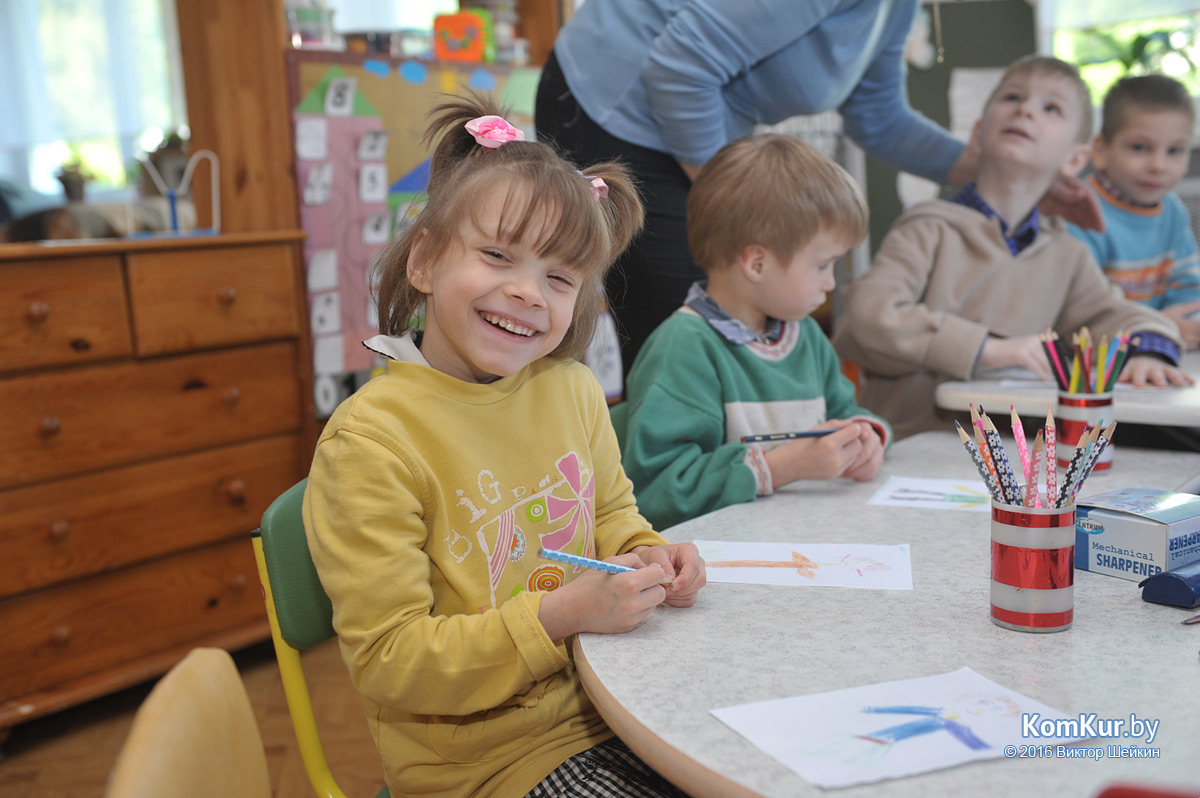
322	270
339	97
372	182
326	314
312	138
319	187
376	229
373	145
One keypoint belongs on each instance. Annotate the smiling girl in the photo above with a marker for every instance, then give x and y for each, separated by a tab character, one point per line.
434	486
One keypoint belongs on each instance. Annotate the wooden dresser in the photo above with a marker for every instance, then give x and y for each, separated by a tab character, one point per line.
155	397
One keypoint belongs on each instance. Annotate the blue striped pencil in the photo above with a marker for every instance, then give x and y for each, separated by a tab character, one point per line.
980	466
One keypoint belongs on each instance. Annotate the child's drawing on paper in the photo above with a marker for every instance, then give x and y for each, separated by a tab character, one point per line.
806	567
867	748
823	564
887	730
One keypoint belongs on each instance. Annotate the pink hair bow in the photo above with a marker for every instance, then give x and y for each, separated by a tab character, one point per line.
599	187
493	131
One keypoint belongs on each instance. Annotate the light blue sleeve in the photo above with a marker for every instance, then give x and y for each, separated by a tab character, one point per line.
1184	283
705	46
878	117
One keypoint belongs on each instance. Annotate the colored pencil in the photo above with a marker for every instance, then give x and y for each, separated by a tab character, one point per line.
583	562
1103	438
985	452
977	459
588	562
1073	387
787	436
1056	367
1031	486
1051	457
1022	445
1008	482
1072	469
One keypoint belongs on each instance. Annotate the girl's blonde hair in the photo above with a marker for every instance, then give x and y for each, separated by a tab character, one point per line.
546	202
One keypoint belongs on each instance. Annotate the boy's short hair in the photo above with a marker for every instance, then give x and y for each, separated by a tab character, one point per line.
1055	67
1143	93
772	190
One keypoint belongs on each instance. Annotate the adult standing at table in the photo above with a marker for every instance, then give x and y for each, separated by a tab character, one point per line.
663	84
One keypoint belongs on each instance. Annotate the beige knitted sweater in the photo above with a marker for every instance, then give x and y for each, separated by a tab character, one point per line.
943	280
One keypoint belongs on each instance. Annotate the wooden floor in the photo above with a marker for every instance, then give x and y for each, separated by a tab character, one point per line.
69	755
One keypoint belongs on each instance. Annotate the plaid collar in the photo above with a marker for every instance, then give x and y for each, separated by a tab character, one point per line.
732	330
1024	234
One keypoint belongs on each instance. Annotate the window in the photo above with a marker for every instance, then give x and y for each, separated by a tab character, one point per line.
97	80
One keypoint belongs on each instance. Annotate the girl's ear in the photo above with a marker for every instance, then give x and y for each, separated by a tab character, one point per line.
418	266
752	261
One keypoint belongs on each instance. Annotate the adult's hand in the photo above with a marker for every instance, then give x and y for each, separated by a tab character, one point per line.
1070	198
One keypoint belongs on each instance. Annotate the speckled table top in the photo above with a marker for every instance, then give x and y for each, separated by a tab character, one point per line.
744	643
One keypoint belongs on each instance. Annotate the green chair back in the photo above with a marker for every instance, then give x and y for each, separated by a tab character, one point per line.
301	605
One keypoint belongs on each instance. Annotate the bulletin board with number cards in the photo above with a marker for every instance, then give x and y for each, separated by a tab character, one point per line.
360	170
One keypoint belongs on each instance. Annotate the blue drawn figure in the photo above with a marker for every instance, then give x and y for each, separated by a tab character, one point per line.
954	720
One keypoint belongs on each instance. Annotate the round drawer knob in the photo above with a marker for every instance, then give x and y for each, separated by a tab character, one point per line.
233	395
237	583
60	635
38	312
235	490
227	296
50	426
59	530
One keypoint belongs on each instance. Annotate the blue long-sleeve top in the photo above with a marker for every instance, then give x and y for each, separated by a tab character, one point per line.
687	76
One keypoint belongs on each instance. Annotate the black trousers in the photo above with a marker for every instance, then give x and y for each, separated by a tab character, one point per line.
651	279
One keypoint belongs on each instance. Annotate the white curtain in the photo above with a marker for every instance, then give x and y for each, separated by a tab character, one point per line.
79	72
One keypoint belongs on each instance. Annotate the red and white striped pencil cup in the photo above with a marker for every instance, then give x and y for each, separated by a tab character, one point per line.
1033	567
1075	413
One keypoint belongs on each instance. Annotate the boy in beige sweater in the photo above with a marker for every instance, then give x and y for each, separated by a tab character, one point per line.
964	285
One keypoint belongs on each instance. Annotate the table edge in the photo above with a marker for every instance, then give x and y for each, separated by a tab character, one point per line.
680	769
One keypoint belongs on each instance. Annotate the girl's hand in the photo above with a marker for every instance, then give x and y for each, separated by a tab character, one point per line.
1143	370
596	601
1026	351
684	567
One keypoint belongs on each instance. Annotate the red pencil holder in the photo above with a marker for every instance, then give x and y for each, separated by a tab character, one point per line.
1075	413
1033	567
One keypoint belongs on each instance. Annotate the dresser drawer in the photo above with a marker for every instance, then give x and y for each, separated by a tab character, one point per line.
56	312
195	299
71	528
62	633
70	422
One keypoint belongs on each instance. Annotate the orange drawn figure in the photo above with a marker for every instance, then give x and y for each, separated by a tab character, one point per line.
806	567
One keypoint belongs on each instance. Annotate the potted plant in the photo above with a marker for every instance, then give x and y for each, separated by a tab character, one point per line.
73	175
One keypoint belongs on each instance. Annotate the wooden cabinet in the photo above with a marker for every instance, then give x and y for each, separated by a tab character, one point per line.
156	398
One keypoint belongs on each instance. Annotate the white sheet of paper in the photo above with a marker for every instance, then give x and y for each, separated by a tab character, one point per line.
373	182
934	494
312	138
865	565
322	270
339	96
318	189
329	354
325	312
373	145
891	729
376	229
